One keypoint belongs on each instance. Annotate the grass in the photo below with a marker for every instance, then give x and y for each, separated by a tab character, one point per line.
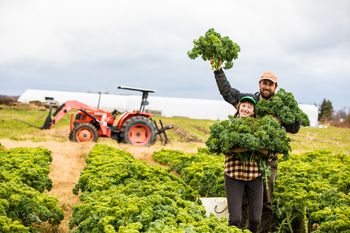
12	127
186	129
332	139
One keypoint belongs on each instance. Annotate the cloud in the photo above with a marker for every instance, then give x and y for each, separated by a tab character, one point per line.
97	45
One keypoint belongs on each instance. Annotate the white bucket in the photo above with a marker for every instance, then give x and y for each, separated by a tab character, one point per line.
216	206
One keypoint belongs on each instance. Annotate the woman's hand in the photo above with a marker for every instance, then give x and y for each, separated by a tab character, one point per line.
238	150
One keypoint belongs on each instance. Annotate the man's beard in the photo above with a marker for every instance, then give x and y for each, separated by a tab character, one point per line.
266	94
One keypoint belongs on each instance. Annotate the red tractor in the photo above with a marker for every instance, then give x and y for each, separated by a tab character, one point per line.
89	123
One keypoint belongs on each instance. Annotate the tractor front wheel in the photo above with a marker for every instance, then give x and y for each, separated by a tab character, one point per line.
84	133
138	130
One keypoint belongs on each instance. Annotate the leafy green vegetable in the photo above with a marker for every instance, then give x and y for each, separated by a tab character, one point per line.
202	171
212	45
23	179
29	165
254	134
284	106
7	225
312	191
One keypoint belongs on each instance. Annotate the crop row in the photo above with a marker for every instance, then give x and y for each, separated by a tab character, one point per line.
23	179
121	194
312	193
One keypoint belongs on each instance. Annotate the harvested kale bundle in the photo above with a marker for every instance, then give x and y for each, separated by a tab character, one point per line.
222	50
284	106
253	134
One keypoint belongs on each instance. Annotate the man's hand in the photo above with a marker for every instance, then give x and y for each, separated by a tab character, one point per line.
214	64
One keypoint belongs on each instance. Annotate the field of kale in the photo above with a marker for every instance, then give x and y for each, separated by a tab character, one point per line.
49	184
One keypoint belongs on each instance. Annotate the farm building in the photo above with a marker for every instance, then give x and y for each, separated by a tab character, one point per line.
164	106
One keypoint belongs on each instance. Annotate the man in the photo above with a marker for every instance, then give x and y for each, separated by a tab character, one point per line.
267	86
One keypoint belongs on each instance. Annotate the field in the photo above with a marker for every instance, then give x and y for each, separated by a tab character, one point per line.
68	158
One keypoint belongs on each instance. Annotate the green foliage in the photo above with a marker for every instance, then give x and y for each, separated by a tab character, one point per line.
23	178
29	165
325	111
121	194
284	106
202	171
213	45
304	119
314	190
29	205
7	225
254	134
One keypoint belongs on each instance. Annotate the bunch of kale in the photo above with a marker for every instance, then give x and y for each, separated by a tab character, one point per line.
284	106
222	50
253	134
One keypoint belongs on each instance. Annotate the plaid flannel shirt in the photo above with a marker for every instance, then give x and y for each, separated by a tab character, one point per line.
241	170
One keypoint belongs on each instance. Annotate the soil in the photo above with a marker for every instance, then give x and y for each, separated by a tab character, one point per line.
68	160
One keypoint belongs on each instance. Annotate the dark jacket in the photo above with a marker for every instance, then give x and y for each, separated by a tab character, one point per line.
232	96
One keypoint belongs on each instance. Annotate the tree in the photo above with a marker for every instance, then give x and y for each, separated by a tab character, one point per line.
340	115
341	118
325	111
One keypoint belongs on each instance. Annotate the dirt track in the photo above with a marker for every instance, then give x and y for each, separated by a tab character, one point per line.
68	160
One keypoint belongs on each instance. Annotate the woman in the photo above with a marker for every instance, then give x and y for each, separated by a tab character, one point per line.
243	177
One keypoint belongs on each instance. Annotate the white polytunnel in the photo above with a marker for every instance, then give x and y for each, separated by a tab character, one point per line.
164	106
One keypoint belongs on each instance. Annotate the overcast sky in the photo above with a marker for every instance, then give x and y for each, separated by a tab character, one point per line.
97	45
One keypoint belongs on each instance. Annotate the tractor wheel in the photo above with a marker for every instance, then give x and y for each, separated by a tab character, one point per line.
138	130
84	133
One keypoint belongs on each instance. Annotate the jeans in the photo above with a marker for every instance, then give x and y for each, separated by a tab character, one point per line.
235	190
